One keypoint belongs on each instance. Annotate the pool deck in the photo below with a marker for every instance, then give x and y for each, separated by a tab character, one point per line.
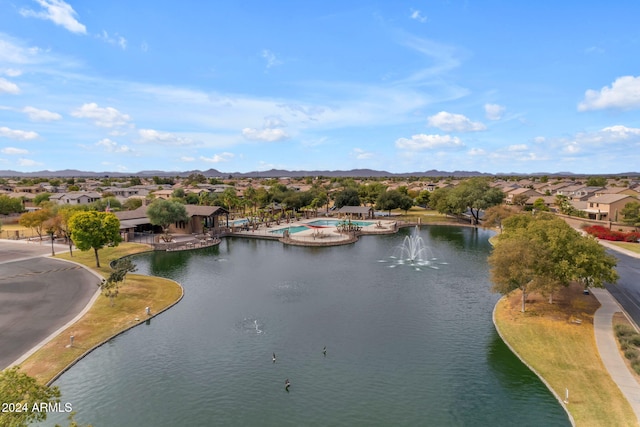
319	235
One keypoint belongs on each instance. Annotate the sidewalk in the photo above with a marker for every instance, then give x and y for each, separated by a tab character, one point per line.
608	348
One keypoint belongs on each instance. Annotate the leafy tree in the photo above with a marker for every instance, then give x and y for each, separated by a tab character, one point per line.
423	198
106	202
178	193
631	214
475	194
132	204
347	197
73	188
35	220
442	201
596	181
94	230
134	180
192	198
370	193
166	212
569	256
517	263
42	197
109	287
9	205
19	388
540	206
126	266
495	215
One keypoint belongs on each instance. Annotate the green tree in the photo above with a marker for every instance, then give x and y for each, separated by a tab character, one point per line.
495	215
540	206
19	388
517	263
42	197
569	255
631	214
347	197
423	198
596	181
35	220
94	230
9	205
165	212
132	204
475	195
111	203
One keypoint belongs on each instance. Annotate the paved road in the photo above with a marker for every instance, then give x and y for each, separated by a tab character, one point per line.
627	290
38	296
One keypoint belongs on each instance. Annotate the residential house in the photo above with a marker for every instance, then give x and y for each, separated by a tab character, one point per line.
607	206
75	198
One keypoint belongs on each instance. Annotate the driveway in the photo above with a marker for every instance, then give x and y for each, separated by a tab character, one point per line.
38	296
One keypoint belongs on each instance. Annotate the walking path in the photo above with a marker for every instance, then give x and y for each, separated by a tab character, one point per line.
608	348
606	340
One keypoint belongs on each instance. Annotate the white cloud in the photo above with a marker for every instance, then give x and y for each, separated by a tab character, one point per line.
12	150
112	146
423	142
449	122
8	87
361	154
187	159
476	152
517	147
116	39
58	12
12	72
269	135
624	94
417	15
22	135
270	57
539	139
218	158
165	138
620	132
28	162
493	111
38	115
107	117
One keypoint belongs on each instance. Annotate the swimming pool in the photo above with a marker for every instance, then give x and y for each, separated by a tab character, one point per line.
335	222
239	222
292	230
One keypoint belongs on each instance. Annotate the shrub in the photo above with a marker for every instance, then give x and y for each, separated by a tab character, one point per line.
636	366
623	330
631	353
605	234
634	339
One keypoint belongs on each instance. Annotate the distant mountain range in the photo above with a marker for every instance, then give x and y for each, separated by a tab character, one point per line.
277	173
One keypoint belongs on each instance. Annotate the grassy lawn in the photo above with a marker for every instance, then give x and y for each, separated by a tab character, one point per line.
103	321
426	216
9	231
550	339
633	247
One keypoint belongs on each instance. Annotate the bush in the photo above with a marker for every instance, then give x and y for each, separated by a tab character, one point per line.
623	330
605	234
634	339
636	366
631	353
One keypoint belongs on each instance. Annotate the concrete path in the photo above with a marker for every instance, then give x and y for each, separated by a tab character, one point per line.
38	297
608	348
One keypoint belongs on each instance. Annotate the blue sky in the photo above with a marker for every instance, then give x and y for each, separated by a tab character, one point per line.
404	86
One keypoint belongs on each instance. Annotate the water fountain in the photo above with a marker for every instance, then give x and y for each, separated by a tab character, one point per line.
413	251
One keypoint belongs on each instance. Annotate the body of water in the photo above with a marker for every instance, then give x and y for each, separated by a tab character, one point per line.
404	346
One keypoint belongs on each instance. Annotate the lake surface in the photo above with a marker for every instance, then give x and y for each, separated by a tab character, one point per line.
405	346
